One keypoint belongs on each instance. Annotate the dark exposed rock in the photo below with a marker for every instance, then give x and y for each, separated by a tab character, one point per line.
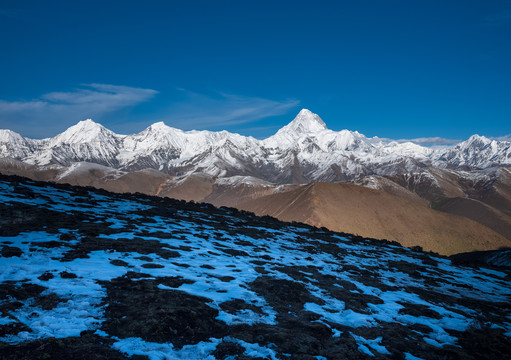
152	266
181	265
23	292
418	310
88	346
48	302
236	305
142	246
12	329
8	306
48	244
66	237
497	258
118	262
173	281
145	258
225	349
141	309
67	275
135	275
10	251
283	295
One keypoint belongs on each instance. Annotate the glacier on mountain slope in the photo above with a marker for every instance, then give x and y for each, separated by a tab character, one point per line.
304	150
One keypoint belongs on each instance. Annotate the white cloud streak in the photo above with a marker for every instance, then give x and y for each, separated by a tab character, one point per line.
425	141
57	110
502	138
431	141
221	110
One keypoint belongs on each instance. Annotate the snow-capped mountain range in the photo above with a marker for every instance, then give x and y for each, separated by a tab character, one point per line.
302	151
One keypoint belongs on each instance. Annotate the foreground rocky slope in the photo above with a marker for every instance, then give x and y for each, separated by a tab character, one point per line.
90	274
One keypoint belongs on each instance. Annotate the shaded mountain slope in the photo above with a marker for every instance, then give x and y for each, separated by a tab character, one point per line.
500	258
480	212
390	187
145	181
90	274
232	194
491	186
499	194
194	187
432	184
483	196
371	213
10	166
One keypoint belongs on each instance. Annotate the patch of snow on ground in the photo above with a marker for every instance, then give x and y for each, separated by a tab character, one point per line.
199	351
374	344
409	356
229	256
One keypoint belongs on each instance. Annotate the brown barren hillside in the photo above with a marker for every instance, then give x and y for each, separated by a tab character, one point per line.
390	187
193	188
480	212
232	196
372	213
146	181
499	196
10	166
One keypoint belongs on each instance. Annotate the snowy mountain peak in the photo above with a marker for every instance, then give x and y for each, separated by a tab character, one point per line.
86	125
83	132
475	141
305	122
159	126
476	137
14	145
8	135
88	122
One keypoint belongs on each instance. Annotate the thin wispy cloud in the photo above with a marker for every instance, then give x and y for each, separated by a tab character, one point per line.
431	141
424	141
502	138
222	110
58	110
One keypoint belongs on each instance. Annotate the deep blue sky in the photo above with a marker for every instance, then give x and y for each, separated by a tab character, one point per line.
397	69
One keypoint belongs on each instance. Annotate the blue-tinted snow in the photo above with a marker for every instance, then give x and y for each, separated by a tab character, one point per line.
82	310
199	351
409	356
374	344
